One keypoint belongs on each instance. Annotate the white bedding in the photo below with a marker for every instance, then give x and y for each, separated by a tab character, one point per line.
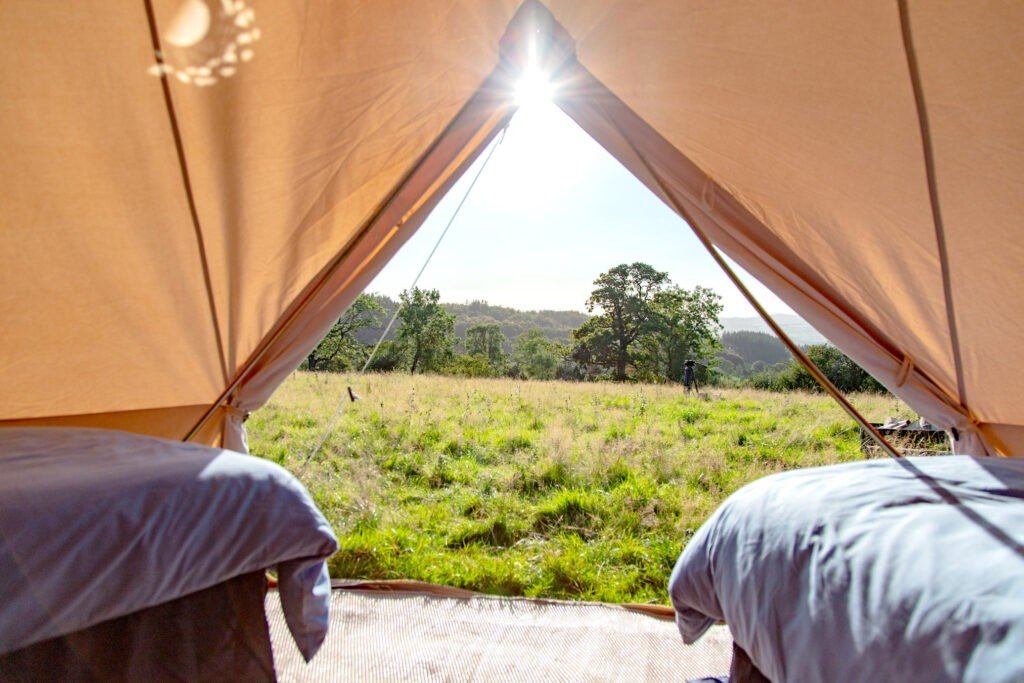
883	570
97	524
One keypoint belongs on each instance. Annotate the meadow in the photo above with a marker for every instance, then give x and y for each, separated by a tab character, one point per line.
544	489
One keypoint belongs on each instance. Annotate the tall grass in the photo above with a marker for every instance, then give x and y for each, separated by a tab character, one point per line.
554	489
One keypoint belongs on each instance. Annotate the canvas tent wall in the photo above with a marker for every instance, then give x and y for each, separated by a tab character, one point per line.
194	189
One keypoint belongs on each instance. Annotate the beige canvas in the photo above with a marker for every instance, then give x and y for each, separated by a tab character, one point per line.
176	237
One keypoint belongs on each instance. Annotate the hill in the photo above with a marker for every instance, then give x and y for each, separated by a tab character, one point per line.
556	325
796	327
756	346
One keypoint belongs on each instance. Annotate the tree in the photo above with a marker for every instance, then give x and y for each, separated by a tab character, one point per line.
427	330
487	340
623	296
339	349
389	357
535	356
837	366
683	325
840	369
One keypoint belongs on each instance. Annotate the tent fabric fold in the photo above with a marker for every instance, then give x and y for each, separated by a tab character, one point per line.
483	117
748	242
318	136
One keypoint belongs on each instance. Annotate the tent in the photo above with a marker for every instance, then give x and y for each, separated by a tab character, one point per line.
194	190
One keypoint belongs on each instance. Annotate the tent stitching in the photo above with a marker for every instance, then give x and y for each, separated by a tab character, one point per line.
933	193
187	181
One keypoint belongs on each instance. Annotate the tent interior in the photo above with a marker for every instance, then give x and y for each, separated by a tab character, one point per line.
197	237
194	191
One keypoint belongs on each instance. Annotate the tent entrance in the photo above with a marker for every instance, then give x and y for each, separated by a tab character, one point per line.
357	570
812	148
535	40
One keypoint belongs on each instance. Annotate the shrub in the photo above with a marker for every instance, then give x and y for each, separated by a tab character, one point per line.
475	365
837	366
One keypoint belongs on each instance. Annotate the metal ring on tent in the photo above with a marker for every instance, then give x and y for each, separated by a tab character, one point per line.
235	412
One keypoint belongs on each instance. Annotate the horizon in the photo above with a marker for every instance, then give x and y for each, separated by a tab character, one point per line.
551	211
583	311
796	327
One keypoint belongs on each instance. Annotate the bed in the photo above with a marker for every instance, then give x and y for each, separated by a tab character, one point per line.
870	571
128	557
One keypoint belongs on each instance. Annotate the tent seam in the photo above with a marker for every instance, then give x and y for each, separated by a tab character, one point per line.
187	182
293	311
933	193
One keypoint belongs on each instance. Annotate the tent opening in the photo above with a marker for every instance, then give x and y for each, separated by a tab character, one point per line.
513	477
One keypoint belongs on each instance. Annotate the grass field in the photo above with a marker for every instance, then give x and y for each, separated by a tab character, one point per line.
553	489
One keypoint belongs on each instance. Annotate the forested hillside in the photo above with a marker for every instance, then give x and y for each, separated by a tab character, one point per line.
642	327
798	329
556	326
746	352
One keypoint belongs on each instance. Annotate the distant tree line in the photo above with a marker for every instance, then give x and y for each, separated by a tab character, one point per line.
745	353
556	326
639	327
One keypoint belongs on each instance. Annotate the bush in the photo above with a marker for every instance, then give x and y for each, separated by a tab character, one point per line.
475	365
388	357
837	366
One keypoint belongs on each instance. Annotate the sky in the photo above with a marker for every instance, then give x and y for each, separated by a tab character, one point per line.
550	212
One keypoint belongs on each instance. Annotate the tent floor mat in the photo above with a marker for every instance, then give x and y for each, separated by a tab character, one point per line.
411	636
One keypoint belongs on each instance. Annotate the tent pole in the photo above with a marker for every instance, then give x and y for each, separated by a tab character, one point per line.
797	352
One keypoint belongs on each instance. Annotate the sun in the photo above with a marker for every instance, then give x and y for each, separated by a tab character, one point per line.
534	89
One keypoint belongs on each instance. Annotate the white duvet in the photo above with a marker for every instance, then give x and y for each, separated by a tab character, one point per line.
96	524
884	570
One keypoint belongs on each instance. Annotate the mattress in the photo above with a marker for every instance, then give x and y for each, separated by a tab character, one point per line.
218	634
97	524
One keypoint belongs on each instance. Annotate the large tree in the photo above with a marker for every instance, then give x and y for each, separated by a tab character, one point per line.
622	298
427	330
339	350
683	325
487	340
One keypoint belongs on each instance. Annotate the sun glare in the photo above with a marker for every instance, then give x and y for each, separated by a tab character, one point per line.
533	89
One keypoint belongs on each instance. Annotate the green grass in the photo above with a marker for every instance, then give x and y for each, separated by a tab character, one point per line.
548	489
